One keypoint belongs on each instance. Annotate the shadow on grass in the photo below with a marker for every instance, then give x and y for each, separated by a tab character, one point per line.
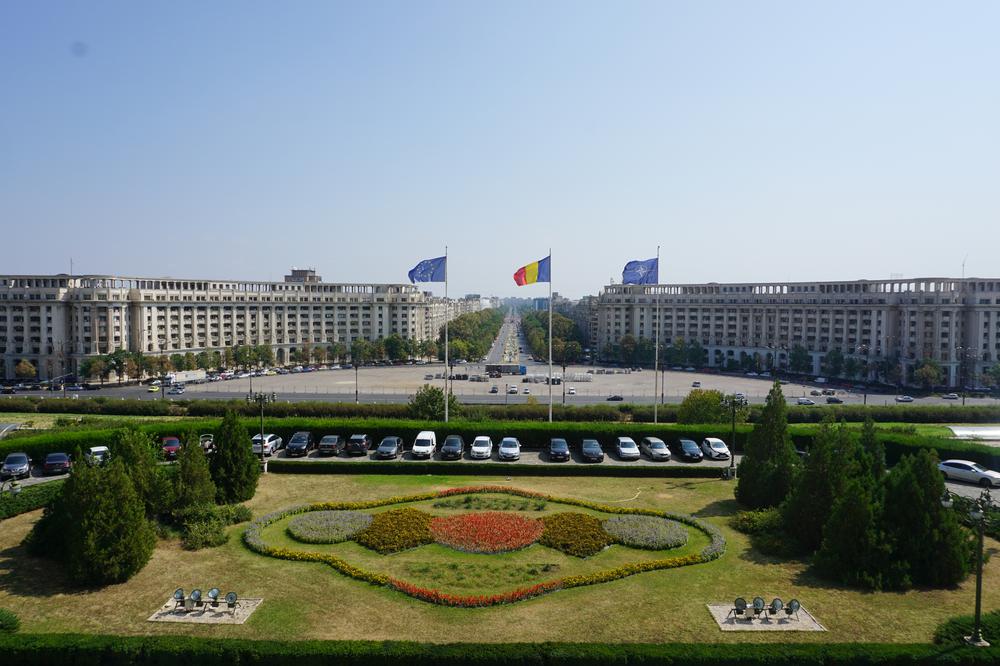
24	575
722	508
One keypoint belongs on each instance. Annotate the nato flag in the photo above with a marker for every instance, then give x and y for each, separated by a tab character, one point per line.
641	272
430	270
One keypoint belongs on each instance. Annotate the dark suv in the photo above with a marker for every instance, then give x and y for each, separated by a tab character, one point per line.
299	445
358	445
330	445
453	448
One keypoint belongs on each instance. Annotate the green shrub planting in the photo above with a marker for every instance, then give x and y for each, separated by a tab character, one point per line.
29	499
577	534
9	621
395	530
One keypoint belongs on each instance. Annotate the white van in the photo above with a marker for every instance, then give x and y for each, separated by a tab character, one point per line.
424	445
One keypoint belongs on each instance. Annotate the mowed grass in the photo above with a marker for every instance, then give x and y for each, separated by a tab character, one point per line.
310	600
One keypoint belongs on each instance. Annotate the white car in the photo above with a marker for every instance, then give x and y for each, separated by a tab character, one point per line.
950	396
509	449
512	390
626	449
904	398
804	401
424	445
98	455
482	448
715	449
970	472
527	390
571	390
271	444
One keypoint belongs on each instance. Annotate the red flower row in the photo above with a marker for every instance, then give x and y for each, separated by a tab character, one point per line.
486	532
473	601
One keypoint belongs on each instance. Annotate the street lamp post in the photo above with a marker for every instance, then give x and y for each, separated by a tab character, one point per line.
356	400
261	398
979	513
733	403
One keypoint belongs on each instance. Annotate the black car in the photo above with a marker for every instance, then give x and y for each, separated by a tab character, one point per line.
833	400
453	448
687	450
591	451
615	398
300	444
390	447
558	450
8	390
358	445
330	445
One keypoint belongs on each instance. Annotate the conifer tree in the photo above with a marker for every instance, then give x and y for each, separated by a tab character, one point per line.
235	469
768	465
193	485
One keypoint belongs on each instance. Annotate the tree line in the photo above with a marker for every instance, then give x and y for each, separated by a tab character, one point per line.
471	335
567	339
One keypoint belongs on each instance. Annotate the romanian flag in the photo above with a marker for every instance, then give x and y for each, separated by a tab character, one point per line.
537	271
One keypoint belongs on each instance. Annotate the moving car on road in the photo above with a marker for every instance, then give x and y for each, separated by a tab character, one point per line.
558	450
56	463
330	445
655	448
970	472
453	448
950	396
300	444
715	449
805	401
390	447
687	450
482	448
904	398
615	398
833	400
15	466
358	445
591	451
509	449
626	449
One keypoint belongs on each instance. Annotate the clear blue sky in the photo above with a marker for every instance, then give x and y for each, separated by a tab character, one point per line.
752	140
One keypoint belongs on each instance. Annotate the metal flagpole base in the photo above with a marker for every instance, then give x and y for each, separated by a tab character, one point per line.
976	641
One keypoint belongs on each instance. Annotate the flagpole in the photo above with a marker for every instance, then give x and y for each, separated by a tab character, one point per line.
447	316
550	335
656	351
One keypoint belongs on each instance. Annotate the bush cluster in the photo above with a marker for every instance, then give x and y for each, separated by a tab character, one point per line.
648	532
760	521
577	534
9	621
395	530
29	499
327	526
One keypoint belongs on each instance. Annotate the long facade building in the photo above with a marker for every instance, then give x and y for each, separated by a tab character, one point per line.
55	321
955	322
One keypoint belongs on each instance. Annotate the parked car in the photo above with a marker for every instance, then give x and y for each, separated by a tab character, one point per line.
8	390
804	401
509	449
686	450
424	445
715	449
453	448
300	444
904	398
390	447
828	391
833	400
527	390
571	390
358	445
428	377
695	384
207	442
558	450
98	455
591	451
950	396
57	463
655	448
741	398
626	449
970	472
170	446
15	466
482	448
330	445
615	398
271	444
74	387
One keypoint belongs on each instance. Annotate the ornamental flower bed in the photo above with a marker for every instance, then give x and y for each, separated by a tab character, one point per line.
395	530
576	534
647	532
487	532
327	526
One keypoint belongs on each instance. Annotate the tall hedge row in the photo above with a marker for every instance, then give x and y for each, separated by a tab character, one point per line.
31	649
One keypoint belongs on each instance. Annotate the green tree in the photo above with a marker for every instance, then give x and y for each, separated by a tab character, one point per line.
265	355
993	374
697	355
459	349
627	346
337	351
319	354
833	363
228	358
203	360
929	373
427	404
854	549
925	537
361	351
193	485
766	471
703	406
395	347
235	469
25	369
872	450
799	359
99	368
140	455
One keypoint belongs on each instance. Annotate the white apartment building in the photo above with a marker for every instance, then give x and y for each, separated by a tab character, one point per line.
54	321
953	321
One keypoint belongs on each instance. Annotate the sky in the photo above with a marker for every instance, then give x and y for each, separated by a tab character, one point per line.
751	141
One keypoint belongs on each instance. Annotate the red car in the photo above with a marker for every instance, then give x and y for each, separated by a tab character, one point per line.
56	463
170	445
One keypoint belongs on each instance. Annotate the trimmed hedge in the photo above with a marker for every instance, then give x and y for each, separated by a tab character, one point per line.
9	621
45	649
29	499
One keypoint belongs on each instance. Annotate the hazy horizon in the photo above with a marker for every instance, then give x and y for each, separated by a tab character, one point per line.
756	142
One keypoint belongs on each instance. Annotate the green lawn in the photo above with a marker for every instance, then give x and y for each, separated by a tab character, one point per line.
311	600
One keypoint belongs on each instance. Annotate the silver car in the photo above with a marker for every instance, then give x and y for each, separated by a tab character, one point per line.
482	448
655	448
271	444
16	466
626	449
970	472
509	449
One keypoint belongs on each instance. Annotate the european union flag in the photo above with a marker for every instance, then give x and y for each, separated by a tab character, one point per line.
430	270
642	272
